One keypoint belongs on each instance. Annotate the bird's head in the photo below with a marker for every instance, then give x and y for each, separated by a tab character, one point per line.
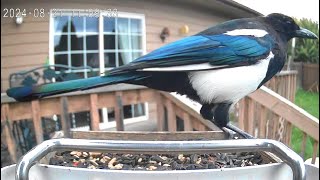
288	28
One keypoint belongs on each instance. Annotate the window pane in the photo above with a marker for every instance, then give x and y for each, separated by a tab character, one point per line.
127	111
135	55
109	42
136	26
93	60
77	24
60	43
109	24
123	25
76	60
136	42
76	42
139	110
123	42
61	59
91	24
92	42
61	24
109	59
124	58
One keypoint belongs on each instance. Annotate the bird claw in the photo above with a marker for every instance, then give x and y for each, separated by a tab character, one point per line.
231	134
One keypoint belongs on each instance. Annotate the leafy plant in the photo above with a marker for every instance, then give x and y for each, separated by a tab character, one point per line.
306	50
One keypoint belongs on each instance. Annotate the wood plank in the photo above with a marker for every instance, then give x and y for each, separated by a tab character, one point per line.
94	114
20	111
118	112
79	103
37	123
172	122
65	119
25	49
243	113
149	136
315	151
107	100
289	111
5	119
262	122
303	145
251	121
288	134
160	111
275	127
50	107
187	122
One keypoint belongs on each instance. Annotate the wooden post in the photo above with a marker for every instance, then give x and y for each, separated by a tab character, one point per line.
243	113
263	122
65	120
94	113
315	152
288	134
172	122
160	112
251	108
118	112
187	122
37	123
8	133
303	145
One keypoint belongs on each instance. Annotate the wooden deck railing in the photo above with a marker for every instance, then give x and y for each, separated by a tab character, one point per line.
270	113
92	100
173	112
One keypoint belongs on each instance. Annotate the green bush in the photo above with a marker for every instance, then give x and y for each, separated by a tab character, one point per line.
306	50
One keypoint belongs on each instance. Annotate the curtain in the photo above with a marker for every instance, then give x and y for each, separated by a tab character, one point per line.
123	41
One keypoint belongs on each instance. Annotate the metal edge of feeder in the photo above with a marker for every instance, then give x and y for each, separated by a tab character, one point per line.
283	152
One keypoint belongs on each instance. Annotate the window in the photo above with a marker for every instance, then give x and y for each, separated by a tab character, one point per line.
104	42
99	42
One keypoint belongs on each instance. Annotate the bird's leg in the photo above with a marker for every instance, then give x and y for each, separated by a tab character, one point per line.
219	115
207	112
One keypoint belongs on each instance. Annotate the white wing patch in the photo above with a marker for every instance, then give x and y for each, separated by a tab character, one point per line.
247	32
191	67
229	84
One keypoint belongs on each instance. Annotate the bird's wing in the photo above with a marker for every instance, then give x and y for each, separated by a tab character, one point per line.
201	52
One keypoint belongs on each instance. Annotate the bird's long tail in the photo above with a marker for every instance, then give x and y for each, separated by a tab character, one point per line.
27	93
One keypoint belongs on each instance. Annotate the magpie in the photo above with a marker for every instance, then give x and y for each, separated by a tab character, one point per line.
216	67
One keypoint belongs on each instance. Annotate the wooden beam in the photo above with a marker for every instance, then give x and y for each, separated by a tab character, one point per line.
94	113
262	122
150	136
172	122
160	112
288	110
5	119
187	122
118	112
37	123
251	108
65	120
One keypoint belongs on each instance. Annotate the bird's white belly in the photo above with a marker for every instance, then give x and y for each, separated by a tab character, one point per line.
230	84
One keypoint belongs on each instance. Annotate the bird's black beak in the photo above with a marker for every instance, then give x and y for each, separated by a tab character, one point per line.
305	33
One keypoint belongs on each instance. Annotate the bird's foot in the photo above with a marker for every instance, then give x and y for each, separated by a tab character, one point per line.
235	130
231	134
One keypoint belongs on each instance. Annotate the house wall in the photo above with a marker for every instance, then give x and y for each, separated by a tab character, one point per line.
27	45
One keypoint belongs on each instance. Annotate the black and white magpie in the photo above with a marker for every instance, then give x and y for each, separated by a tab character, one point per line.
216	67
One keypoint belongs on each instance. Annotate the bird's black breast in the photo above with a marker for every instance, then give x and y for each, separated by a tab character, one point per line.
277	62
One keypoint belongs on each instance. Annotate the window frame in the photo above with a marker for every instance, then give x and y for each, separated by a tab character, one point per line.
105	123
